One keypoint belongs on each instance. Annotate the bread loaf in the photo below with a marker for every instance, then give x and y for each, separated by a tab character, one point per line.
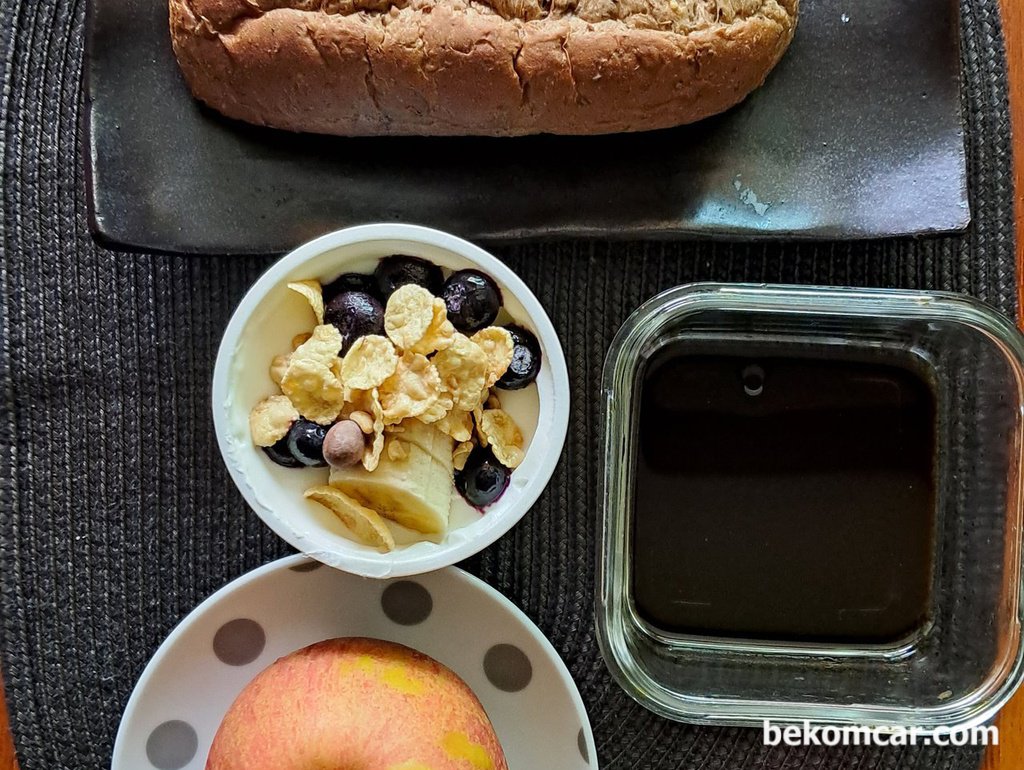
485	67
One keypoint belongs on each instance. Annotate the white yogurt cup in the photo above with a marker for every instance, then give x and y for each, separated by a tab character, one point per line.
263	325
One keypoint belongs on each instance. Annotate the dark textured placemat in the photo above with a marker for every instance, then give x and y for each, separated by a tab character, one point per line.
116	516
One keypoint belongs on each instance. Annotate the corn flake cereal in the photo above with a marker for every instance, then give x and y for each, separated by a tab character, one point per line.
408	315
369	362
463	368
323	343
458	424
439	334
356	399
504	436
411	390
278	366
460	454
497	344
440	408
314	294
365	524
270	420
371	457
299	339
310	380
478	416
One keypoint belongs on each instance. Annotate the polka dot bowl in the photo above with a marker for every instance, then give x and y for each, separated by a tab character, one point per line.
263	325
184	692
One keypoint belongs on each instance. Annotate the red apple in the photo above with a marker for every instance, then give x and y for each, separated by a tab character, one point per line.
356	704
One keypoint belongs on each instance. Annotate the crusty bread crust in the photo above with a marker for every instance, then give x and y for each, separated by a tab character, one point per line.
462	67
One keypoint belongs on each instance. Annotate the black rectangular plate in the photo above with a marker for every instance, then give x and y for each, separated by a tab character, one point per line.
857	134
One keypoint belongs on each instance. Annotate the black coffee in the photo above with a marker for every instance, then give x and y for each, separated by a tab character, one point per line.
783	498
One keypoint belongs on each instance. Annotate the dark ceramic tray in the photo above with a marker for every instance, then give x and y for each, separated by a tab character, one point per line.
857	134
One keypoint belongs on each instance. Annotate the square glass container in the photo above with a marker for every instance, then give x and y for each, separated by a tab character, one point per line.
963	660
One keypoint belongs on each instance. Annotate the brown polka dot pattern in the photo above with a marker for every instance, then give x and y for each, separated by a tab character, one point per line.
508	668
172	745
239	642
407	603
308	566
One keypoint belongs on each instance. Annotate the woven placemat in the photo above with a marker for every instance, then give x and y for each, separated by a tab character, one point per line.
117	517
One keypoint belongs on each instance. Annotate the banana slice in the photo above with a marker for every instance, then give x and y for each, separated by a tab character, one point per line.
365	524
414	490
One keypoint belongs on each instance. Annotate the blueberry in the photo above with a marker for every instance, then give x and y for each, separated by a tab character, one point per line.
473	300
281	454
399	270
483	479
306	442
351	282
525	364
355	314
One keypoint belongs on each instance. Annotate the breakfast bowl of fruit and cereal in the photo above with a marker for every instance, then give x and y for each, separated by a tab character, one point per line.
390	399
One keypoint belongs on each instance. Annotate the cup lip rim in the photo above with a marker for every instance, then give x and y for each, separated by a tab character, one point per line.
553	413
643	327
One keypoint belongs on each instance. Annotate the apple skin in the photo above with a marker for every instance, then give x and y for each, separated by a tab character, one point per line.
356	704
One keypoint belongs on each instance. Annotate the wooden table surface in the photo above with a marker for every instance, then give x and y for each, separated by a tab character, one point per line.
1009	754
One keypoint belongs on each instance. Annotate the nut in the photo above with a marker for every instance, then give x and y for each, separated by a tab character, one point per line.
344	444
363	420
